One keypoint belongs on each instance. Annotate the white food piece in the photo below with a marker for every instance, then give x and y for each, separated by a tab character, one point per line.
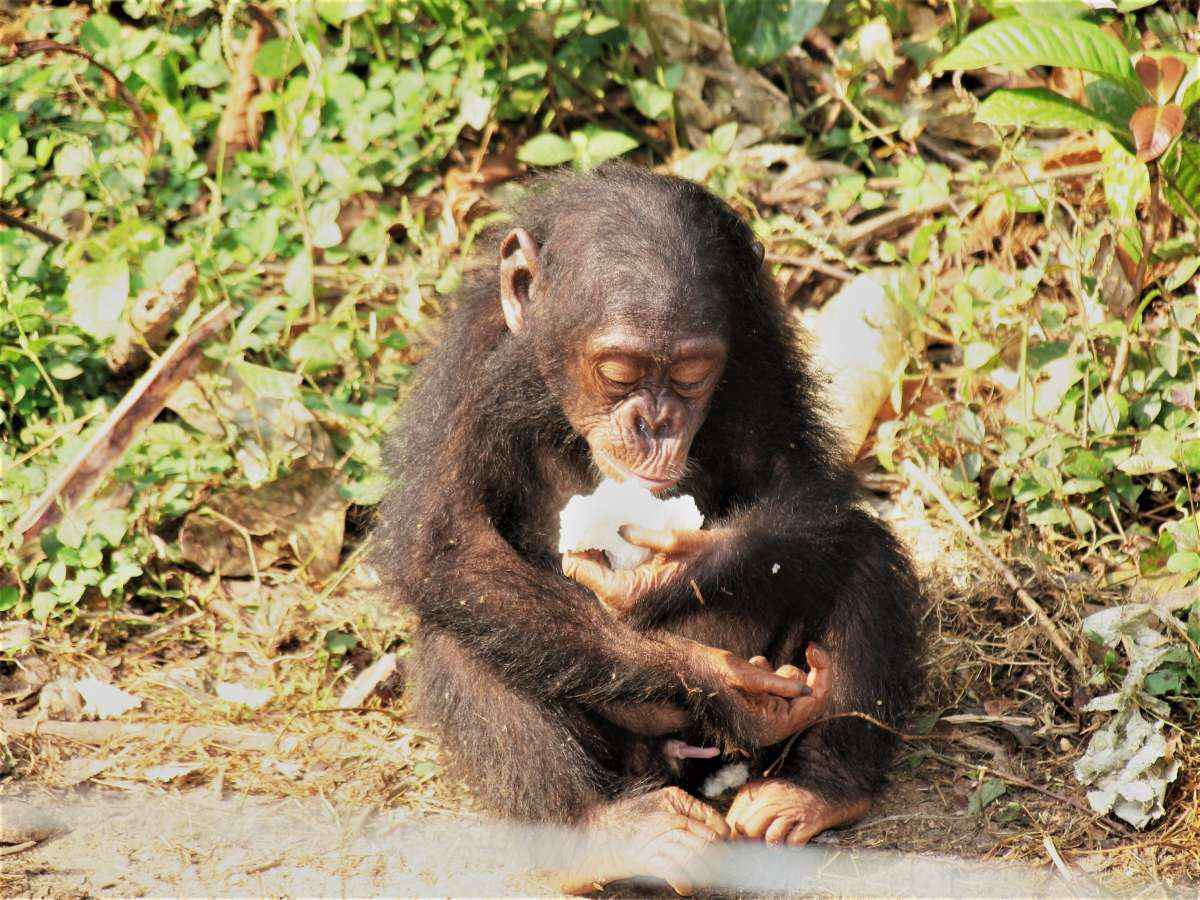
724	779
591	522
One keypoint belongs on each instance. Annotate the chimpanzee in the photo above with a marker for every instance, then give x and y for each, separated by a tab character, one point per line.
625	326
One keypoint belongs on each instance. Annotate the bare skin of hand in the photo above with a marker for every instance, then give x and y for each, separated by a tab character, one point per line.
675	552
779	717
779	812
665	834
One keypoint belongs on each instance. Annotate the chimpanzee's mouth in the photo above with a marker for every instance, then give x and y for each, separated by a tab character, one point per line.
619	472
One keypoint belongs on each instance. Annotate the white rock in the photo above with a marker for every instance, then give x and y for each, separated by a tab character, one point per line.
592	522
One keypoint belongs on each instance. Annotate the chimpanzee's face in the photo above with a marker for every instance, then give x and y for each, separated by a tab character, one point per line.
639	401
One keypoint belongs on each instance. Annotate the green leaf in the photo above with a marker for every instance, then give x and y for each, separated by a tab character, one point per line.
1041	108
546	150
1108	412
651	100
978	354
1184	562
65	370
97	295
71	531
987	793
1183	165
1019	43
276	58
335	13
9	596
340	642
761	31
595	145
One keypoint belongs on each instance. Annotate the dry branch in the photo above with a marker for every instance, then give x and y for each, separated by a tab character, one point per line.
40	233
145	128
241	122
150	318
1047	625
136	410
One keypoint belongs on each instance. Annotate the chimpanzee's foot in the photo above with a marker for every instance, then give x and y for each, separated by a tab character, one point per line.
780	812
664	834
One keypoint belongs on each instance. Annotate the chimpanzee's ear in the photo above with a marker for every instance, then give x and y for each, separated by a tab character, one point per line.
518	271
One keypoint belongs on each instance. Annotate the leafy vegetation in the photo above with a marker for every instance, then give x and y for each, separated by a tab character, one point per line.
1031	182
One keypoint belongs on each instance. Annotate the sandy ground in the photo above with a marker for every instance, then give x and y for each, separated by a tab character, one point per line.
192	844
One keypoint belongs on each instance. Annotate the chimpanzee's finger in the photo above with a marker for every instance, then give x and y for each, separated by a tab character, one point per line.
820	672
653	539
760	661
581	567
754	680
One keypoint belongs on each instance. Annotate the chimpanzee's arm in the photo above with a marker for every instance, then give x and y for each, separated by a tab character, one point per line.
871	632
546	635
840	573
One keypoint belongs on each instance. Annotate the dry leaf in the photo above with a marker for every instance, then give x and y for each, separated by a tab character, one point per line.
1154	127
170	771
105	701
1160	77
303	513
242	695
241	122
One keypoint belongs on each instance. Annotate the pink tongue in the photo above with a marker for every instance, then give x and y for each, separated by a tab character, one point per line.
680	750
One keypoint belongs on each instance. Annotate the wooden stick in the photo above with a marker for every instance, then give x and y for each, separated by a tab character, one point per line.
1047	624
137	409
29	228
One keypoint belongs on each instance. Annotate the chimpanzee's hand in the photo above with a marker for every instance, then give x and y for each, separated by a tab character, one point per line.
621	589
776	718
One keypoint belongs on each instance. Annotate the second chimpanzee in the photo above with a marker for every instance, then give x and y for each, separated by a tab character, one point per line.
625	326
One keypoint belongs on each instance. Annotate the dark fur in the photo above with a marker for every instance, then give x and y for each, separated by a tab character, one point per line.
515	660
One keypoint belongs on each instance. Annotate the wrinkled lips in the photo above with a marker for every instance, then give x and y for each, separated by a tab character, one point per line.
622	472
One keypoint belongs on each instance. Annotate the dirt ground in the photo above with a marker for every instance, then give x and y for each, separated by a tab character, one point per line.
191	795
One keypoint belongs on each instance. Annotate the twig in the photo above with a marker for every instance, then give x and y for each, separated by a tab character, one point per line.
1019	782
1047	624
40	233
877	224
17	848
23	49
163	632
811	262
1121	360
124	424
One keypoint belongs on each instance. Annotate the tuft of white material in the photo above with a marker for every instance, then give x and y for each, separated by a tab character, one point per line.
242	695
592	522
103	701
724	779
